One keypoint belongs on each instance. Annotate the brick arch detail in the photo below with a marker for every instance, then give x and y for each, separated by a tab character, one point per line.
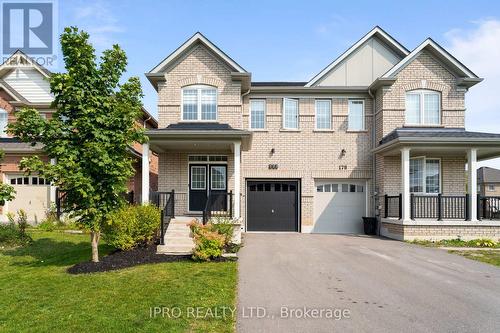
201	79
425	84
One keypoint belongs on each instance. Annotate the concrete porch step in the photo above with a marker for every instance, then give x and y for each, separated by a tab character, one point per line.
174	249
173	240
178	239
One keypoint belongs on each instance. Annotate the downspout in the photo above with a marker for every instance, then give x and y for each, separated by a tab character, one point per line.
374	172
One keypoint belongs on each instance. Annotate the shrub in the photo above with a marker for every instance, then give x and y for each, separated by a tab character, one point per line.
483	243
224	226
213	238
14	232
47	225
131	226
209	243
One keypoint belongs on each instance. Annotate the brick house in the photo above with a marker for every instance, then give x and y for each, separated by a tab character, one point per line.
378	132
23	83
488	181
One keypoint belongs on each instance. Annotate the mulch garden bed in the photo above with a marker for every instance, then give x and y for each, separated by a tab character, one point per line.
124	259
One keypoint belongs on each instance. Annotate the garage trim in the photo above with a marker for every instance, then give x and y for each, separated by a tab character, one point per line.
299	201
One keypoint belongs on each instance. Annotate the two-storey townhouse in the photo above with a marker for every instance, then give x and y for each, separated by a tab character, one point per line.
378	132
24	83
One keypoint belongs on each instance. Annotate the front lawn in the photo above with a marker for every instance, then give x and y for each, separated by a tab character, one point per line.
37	294
487	256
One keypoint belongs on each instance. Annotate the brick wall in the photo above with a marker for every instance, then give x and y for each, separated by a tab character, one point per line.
432	232
424	72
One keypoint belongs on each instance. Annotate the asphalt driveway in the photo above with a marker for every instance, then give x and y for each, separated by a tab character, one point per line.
336	283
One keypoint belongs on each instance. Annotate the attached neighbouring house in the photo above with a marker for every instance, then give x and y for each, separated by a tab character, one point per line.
378	132
23	83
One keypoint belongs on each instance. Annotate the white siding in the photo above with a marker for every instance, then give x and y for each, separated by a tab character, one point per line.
31	84
363	66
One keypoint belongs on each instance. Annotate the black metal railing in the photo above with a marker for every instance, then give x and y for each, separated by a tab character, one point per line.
393	206
439	207
218	204
488	208
166	202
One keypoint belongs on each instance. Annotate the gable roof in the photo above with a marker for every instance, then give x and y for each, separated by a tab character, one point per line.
441	54
376	31
488	175
196	38
19	57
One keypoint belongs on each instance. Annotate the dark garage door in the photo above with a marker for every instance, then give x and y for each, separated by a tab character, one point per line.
272	205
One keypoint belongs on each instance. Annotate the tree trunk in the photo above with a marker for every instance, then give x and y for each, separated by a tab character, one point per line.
94	238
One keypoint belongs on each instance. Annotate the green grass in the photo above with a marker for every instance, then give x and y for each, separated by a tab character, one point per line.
487	256
486	243
36	293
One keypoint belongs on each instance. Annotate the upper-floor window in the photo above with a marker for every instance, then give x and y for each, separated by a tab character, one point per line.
491	187
423	107
425	175
323	114
3	123
257	114
199	103
356	117
290	113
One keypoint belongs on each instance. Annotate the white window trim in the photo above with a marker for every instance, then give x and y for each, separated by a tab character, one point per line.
191	178
316	115
424	174
225	178
363	117
4	134
199	87
421	93
250	115
284	115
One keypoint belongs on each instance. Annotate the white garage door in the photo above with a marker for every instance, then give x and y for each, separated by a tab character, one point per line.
32	195
339	205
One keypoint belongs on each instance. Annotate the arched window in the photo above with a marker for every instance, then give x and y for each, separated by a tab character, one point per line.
423	107
4	116
199	103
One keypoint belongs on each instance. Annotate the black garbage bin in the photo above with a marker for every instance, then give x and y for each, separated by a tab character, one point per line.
370	225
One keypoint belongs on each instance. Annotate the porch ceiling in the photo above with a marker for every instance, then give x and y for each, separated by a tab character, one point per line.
485	150
192	140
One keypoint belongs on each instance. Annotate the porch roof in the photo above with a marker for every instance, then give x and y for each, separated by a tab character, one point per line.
14	145
196	136
451	139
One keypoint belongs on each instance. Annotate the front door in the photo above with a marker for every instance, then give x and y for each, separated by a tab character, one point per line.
207	180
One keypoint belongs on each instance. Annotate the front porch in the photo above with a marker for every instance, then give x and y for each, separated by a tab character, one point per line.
428	187
199	176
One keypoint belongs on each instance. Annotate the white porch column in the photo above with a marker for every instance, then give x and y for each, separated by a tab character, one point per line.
472	182
52	196
405	182
237	179
145	173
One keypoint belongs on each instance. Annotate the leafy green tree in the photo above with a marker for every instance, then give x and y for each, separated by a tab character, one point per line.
7	192
90	133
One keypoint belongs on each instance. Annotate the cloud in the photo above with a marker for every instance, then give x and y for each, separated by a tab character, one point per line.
335	21
478	47
97	19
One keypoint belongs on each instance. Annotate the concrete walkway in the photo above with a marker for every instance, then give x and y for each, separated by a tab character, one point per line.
337	283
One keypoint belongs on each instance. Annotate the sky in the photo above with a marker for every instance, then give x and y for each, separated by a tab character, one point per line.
294	40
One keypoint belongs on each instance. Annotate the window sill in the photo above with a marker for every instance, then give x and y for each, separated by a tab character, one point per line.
289	130
356	131
323	131
198	121
258	130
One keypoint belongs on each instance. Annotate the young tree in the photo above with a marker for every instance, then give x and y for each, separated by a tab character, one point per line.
7	192
90	133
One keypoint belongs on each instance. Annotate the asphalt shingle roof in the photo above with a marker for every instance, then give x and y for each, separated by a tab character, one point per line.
409	132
